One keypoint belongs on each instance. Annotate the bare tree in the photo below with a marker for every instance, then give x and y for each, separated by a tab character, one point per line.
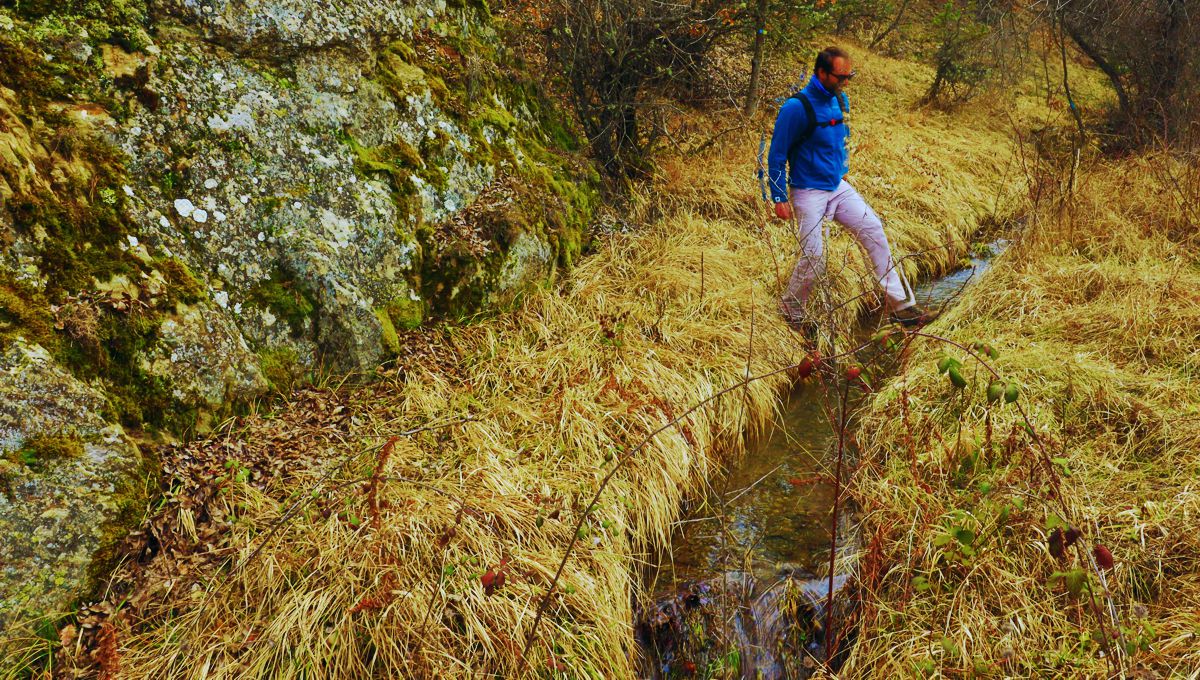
756	63
1150	52
624	58
975	43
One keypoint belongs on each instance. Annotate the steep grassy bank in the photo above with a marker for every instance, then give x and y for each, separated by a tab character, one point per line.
390	533
970	516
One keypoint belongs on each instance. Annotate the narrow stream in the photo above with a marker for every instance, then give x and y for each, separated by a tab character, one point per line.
739	593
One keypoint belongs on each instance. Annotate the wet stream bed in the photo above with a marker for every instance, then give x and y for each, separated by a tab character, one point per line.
743	590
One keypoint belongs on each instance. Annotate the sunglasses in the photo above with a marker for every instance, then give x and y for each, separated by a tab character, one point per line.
841	78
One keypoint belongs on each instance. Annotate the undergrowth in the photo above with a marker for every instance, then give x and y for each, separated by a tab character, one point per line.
1055	540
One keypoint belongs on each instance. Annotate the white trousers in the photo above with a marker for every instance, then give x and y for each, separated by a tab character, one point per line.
847	207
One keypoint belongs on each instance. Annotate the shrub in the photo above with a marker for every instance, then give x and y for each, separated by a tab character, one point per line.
1150	52
623	60
960	65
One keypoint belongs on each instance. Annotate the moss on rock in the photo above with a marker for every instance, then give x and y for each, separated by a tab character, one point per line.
511	128
108	300
72	483
406	312
41	449
288	297
24	312
119	21
254	216
388	335
403	78
282	367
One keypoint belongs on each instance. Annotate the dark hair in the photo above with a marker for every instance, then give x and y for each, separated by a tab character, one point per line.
826	56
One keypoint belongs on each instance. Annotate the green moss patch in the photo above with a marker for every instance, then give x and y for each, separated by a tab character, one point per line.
185	287
391	341
57	29
402	313
103	302
398	161
543	190
402	77
121	22
106	312
282	367
406	313
38	452
24	313
288	298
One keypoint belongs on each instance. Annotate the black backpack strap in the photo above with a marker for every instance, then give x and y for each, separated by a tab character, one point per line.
810	128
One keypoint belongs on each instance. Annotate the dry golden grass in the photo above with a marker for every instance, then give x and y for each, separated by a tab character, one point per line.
1096	314
383	578
549	397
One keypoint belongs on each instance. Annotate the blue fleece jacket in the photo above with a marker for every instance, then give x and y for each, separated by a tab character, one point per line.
822	160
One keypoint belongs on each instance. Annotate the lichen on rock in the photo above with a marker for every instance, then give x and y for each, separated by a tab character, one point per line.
68	478
252	178
330	170
284	28
201	354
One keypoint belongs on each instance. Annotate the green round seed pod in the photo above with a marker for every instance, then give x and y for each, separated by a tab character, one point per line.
1011	393
995	390
956	377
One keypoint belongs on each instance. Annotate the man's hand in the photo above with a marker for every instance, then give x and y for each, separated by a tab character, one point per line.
783	211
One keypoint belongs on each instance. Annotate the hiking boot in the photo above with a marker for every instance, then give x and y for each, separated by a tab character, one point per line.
913	316
806	329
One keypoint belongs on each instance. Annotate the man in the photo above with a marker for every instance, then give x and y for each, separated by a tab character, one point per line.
810	138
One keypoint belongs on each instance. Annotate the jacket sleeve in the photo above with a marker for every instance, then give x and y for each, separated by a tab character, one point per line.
788	124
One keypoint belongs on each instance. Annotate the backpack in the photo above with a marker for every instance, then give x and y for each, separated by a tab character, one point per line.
813	124
843	105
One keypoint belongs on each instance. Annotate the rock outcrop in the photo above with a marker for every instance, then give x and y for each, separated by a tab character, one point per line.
68	485
201	199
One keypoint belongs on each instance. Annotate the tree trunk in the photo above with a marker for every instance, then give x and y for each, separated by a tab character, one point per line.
891	27
1101	63
756	63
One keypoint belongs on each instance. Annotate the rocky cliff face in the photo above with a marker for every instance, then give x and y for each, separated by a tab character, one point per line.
202	198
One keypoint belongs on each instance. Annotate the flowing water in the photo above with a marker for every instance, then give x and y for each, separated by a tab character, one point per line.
739	595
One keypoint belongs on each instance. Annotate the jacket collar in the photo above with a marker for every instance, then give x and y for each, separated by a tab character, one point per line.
816	87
